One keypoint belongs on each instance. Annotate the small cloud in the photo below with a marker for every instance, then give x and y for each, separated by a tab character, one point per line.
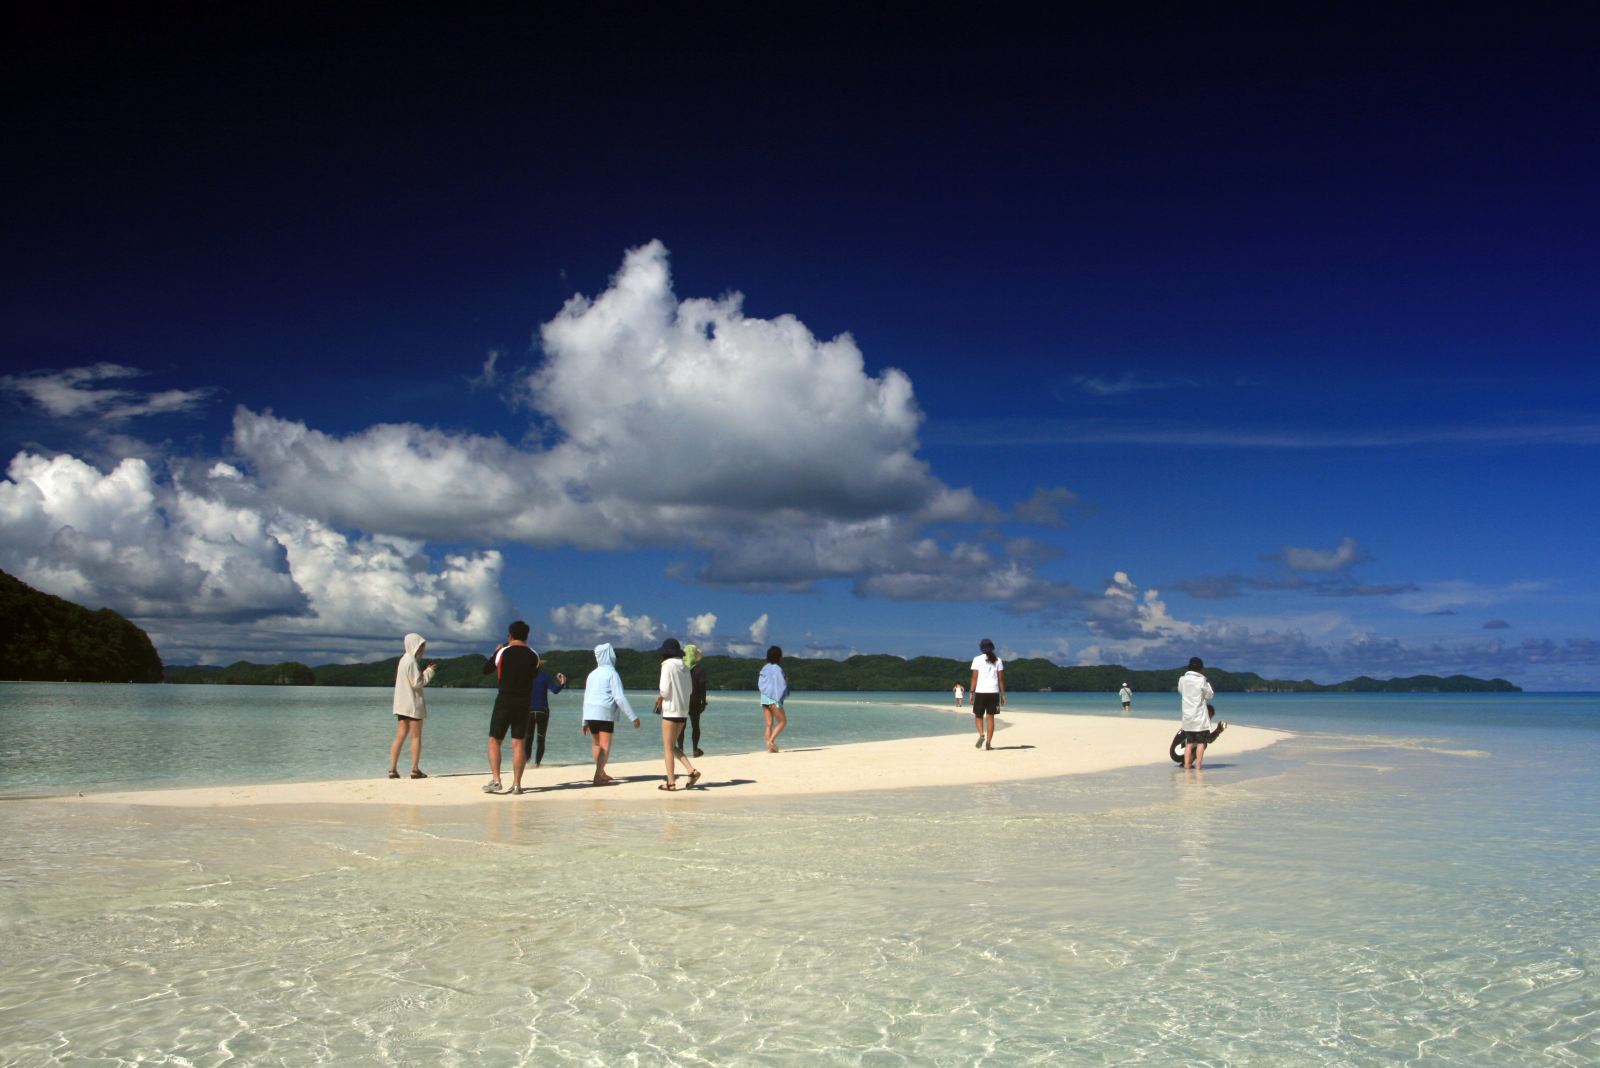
1128	382
700	628
758	630
590	624
1324	561
1497	624
80	391
1443	612
488	376
1046	506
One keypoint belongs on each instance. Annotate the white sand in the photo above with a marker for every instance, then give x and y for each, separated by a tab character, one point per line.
1027	745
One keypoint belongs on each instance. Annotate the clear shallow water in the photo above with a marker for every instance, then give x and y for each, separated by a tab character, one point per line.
66	738
1409	880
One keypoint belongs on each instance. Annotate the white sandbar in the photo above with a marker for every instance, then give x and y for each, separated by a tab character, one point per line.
1027	745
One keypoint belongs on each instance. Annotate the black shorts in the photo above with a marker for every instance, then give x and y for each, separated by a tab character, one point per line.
985	704
517	721
1196	737
600	726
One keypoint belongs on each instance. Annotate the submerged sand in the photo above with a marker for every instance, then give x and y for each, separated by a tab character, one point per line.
1027	745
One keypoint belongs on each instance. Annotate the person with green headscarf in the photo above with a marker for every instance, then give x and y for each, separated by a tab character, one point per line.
697	693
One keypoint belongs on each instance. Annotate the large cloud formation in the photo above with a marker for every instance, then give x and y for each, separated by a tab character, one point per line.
771	456
683	424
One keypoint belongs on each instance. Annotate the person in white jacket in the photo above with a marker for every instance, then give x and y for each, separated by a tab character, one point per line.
672	704
602	700
1193	692
410	709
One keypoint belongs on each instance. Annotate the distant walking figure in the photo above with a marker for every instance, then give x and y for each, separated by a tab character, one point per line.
409	707
672	701
774	687
697	694
958	691
602	700
1193	692
1125	695
988	685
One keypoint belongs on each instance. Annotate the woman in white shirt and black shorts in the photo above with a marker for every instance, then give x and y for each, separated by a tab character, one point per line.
988	689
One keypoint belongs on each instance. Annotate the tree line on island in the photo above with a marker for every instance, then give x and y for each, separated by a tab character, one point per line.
47	639
879	672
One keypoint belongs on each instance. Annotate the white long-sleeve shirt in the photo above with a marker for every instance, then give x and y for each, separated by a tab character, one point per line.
1194	691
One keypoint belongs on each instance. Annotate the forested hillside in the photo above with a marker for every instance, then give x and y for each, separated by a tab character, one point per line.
44	638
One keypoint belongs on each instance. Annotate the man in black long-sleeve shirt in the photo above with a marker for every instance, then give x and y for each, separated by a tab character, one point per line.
517	665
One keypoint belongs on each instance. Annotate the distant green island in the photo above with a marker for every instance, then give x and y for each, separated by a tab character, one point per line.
859	673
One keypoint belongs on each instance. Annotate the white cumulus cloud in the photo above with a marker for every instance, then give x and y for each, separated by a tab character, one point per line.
207	546
670	422
578	625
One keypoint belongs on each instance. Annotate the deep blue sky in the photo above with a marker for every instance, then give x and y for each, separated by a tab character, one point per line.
1290	320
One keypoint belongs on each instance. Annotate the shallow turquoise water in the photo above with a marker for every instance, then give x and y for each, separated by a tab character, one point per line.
164	736
1408	881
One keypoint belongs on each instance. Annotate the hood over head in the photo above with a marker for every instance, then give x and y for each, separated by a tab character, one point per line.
604	655
414	644
691	655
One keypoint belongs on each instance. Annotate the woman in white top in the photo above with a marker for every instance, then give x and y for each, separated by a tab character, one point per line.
672	704
988	688
410	709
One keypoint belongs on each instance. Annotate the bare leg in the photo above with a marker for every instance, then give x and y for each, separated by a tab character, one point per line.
400	732
766	712
988	735
602	753
683	759
494	758
519	760
780	720
669	745
1199	756
1188	756
416	745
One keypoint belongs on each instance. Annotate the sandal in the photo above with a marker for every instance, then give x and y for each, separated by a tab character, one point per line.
394	775
666	786
417	773
694	777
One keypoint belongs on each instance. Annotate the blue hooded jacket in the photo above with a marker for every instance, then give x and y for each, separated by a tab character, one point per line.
602	691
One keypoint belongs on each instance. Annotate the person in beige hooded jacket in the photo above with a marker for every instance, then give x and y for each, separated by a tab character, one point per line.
409	707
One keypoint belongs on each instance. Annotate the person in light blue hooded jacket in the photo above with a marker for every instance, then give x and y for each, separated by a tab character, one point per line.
602	697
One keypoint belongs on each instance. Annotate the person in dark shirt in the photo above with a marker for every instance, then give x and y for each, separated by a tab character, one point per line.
517	666
539	709
697	693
